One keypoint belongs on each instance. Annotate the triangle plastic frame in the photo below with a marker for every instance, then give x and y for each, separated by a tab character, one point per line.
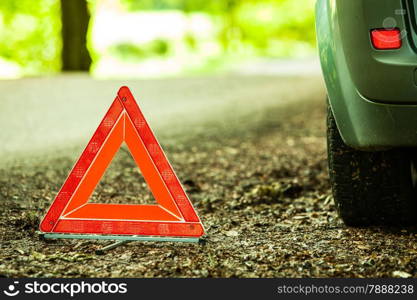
173	215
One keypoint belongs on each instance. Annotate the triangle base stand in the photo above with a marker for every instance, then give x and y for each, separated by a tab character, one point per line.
120	239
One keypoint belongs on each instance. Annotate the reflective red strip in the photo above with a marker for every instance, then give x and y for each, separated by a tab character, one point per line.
386	39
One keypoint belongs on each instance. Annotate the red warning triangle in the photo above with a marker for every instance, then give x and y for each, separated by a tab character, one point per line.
173	215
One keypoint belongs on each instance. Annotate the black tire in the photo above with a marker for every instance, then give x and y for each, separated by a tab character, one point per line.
371	188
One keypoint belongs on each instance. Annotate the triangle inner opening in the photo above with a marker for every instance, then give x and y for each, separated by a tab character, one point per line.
122	183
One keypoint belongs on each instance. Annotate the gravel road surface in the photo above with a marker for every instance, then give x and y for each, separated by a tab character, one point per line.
250	151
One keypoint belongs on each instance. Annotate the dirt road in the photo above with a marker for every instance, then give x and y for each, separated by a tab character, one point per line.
250	151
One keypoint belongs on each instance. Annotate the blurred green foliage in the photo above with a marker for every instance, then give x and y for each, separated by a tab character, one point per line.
213	6
30	30
132	52
30	34
259	23
265	23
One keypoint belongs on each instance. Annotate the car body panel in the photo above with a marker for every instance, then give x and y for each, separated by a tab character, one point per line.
363	122
381	75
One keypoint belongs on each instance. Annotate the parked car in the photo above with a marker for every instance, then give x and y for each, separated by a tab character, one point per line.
368	53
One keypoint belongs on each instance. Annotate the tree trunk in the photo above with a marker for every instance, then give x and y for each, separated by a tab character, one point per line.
75	18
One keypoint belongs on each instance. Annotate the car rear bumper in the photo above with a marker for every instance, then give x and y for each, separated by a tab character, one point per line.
377	126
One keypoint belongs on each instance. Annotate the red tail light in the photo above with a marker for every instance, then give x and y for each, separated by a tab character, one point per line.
386	39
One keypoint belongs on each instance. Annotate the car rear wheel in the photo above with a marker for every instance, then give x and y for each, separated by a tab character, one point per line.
371	188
